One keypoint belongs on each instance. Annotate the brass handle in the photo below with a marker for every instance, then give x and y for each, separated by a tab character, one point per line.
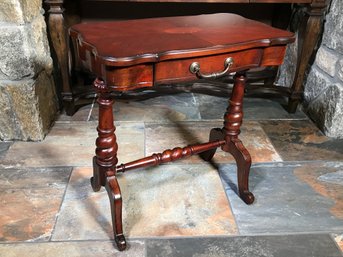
195	69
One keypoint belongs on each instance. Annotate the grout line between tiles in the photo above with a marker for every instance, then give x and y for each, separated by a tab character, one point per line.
59	209
91	109
258	164
145	238
270	140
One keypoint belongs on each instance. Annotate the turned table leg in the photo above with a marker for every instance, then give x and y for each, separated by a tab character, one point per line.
232	123
104	163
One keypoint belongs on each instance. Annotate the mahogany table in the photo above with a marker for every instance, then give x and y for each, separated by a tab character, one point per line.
127	55
309	31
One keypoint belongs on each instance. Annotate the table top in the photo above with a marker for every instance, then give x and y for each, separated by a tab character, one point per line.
212	1
124	43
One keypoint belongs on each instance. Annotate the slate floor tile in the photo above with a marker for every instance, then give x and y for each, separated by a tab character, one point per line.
82	114
163	136
289	198
316	245
30	200
73	144
301	140
326	180
180	199
4	146
213	107
72	249
164	108
164	201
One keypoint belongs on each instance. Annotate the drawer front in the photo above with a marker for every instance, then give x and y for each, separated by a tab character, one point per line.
117	78
178	70
129	78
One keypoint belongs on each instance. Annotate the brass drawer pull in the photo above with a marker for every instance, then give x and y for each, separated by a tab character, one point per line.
195	69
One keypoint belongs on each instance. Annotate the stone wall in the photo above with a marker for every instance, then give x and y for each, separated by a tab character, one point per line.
324	84
323	101
28	101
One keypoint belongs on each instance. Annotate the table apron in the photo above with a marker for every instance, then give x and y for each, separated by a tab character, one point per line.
177	70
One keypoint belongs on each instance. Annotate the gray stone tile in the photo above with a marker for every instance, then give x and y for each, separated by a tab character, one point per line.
73	144
289	198
317	245
82	114
30	178
166	108
160	136
333	177
213	107
300	140
30	201
4	146
163	201
135	248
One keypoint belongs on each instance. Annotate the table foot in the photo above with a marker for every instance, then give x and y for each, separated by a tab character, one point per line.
121	242
69	105
292	105
247	197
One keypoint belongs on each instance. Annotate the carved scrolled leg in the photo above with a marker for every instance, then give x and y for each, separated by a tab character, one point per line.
215	134
310	30
243	160
232	123
114	194
104	163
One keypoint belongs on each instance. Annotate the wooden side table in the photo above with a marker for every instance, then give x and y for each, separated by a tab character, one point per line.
309	31
127	55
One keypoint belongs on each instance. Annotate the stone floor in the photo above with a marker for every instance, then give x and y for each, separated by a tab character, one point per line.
186	208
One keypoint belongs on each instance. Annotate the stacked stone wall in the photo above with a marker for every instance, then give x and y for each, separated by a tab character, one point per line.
324	84
28	101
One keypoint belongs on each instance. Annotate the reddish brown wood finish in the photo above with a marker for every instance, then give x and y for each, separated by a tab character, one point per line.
310	30
178	70
105	161
160	39
170	155
167	46
114	194
165	52
232	122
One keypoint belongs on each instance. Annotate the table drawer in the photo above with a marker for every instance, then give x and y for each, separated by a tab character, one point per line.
178	70
128	78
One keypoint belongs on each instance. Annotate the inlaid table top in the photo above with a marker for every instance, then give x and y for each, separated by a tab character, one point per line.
133	54
124	43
